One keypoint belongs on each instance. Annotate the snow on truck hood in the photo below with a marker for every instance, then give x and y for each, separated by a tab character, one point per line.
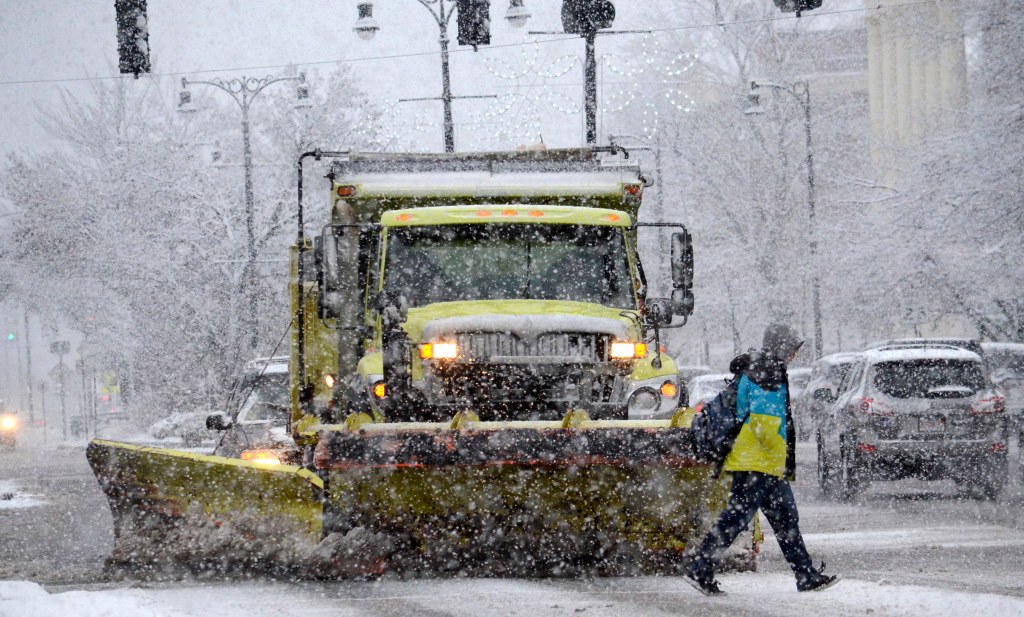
489	315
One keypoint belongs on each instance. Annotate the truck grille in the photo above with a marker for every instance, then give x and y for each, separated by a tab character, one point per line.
509	348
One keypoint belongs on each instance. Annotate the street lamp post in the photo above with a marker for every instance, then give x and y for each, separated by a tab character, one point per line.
243	91
366	27
801	91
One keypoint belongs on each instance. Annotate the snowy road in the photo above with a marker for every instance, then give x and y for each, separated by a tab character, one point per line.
905	549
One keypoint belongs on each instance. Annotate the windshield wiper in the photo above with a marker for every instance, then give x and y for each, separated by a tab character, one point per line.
529	261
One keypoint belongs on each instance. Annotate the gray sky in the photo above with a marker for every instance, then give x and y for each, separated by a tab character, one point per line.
60	40
56	44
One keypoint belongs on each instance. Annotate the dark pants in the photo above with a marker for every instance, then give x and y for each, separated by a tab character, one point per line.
751	491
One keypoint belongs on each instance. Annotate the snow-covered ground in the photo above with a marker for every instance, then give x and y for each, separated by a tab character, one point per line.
13	496
748	594
904	549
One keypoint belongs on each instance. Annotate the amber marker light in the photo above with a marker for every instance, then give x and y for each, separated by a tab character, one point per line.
346	191
404	217
612	217
510	212
536	213
380	390
483	213
669	389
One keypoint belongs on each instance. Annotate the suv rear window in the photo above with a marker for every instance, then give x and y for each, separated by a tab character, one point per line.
929	378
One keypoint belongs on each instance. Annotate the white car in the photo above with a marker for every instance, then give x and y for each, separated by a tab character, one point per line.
703	388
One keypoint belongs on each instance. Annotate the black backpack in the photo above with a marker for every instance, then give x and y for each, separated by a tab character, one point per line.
715	428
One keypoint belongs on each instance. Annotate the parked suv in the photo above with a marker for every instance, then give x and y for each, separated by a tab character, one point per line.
822	388
256	426
914	411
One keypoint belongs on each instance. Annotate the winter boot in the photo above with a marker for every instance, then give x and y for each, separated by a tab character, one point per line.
707	586
816	580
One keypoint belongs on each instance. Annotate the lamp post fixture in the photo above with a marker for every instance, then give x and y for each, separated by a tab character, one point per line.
441	10
801	91
243	90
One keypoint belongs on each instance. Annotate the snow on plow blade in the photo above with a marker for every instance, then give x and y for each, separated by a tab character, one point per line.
172	506
523	498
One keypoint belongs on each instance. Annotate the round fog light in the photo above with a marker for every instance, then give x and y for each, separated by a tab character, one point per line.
644	402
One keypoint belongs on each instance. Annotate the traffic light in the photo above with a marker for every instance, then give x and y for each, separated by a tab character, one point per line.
789	6
10	337
132	36
474	21
587	16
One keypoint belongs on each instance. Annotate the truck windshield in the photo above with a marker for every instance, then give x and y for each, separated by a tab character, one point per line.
503	262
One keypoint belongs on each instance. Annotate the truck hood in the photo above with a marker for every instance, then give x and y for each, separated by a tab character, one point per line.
523	316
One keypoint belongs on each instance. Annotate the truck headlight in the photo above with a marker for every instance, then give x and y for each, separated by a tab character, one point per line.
439	351
8	423
644	401
627	351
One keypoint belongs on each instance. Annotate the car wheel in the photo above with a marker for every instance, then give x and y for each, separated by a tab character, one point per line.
990	485
825	481
851	478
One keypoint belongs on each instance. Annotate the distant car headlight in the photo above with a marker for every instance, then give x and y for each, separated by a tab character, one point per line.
261	457
8	423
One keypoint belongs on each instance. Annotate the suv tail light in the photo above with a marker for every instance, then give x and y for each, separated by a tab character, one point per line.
989	404
870	407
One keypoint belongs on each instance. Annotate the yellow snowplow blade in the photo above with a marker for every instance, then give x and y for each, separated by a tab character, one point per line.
530	498
168	502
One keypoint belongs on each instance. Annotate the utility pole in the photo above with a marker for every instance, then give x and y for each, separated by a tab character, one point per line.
801	91
474	29
28	370
243	91
60	348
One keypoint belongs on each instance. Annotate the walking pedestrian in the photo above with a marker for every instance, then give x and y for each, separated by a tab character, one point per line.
762	462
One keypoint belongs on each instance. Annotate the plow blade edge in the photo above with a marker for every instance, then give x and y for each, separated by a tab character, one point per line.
171	505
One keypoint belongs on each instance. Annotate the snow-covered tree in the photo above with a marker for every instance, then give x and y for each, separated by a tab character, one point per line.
133	231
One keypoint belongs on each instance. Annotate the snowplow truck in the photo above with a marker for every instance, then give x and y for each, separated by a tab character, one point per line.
478	381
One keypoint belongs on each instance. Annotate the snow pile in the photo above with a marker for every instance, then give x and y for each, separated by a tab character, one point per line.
11	496
19	598
640	596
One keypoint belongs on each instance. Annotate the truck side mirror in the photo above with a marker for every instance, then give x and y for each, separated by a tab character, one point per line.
217	422
682	274
682	260
682	302
659	312
333	275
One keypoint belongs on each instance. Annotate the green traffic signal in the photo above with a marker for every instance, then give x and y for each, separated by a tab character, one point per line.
10	336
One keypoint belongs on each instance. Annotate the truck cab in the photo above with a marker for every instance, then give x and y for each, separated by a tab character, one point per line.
506	285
